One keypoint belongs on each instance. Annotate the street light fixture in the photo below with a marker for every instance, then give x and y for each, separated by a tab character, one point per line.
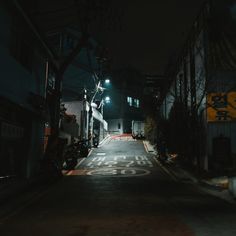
107	99
107	81
99	89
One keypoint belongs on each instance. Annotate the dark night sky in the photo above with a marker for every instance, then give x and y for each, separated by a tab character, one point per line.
154	30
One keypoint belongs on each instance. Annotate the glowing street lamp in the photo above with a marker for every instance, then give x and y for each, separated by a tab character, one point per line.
107	81
107	99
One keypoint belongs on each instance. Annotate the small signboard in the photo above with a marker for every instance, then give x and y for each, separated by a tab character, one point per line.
221	107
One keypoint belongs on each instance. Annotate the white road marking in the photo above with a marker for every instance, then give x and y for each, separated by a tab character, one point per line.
98	159
90	165
129	171
141	158
79	163
101	154
119	172
103	172
90	152
99	163
130	163
119	157
119	162
110	163
145	163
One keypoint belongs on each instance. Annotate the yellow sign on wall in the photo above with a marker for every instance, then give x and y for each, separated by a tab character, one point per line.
221	107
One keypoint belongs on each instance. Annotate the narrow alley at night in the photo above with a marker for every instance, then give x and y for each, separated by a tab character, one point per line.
118	117
120	189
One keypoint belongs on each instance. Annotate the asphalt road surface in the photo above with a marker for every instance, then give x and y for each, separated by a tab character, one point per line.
120	190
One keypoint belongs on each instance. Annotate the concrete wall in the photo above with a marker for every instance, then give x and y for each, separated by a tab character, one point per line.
115	126
206	61
80	109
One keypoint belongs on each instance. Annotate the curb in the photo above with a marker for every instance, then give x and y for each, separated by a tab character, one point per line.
149	148
201	182
166	170
210	186
104	140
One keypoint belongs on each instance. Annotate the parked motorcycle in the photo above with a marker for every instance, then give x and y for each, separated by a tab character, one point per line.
83	149
73	152
95	141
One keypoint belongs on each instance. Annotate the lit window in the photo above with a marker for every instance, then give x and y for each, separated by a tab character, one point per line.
129	101
136	103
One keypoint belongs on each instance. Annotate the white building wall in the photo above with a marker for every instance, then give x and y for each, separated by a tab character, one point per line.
115	126
80	109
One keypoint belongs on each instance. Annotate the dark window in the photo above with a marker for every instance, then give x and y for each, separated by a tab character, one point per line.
21	43
118	125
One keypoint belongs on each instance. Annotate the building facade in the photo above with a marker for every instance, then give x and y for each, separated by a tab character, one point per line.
22	92
126	101
200	102
42	65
